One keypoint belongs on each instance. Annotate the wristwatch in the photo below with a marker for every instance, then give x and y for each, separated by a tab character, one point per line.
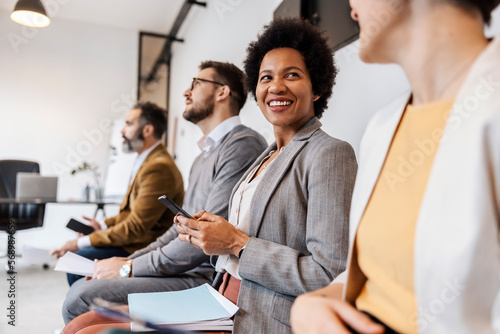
126	269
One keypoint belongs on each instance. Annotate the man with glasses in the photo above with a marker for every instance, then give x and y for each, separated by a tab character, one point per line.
141	218
213	103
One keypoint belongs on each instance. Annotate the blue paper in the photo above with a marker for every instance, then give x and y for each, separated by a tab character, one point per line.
196	304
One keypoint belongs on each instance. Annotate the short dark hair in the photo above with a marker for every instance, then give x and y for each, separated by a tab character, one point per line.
312	44
230	75
484	6
154	115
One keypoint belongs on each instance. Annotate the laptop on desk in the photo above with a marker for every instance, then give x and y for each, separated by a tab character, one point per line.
31	186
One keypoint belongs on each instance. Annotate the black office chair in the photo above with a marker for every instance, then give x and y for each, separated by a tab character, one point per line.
24	215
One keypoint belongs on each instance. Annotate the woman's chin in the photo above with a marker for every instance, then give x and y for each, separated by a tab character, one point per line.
365	55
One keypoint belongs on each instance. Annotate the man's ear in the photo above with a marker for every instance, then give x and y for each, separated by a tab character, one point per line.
222	93
148	130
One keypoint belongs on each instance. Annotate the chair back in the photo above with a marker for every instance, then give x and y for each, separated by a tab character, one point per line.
25	215
8	172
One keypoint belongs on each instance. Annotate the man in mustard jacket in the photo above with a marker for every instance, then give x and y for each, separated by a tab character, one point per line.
142	218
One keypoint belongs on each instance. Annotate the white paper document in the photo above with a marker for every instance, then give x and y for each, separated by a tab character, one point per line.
75	264
33	255
200	308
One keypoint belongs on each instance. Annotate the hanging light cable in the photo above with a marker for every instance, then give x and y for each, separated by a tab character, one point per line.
30	13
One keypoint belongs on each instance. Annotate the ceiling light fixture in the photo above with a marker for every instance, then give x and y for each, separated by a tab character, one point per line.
30	13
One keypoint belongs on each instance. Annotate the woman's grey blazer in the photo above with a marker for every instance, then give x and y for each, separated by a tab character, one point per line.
298	228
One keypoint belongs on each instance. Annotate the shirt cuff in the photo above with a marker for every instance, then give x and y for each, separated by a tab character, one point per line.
140	266
83	242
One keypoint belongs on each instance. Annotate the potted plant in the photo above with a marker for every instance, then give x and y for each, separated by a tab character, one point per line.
94	169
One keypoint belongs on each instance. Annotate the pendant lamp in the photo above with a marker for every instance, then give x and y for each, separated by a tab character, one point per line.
30	13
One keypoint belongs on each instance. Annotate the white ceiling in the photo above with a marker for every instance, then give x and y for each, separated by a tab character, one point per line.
145	15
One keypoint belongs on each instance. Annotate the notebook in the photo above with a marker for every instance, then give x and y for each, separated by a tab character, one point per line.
200	308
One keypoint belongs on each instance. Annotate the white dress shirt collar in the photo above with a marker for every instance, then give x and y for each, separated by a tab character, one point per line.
208	143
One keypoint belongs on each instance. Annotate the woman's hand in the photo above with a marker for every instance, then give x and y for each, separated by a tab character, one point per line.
213	234
314	313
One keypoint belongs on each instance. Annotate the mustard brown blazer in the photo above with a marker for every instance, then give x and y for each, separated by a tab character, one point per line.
142	218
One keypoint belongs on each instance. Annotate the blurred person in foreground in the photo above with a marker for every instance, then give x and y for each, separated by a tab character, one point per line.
425	216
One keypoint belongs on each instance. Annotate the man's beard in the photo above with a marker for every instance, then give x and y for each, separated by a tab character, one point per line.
195	115
133	144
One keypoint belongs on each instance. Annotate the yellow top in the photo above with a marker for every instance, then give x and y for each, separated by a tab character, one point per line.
386	233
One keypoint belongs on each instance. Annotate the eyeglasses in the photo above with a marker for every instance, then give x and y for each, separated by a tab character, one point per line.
205	80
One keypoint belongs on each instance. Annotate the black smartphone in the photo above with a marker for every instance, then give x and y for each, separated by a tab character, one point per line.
77	226
173	206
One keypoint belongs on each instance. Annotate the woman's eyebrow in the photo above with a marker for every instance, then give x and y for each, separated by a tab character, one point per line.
293	68
286	69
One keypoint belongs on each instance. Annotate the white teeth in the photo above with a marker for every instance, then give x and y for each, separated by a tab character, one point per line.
279	103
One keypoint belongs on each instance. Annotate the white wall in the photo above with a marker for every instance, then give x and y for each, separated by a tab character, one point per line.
59	88
222	32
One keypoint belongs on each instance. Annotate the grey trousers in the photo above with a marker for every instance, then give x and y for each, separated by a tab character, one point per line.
82	292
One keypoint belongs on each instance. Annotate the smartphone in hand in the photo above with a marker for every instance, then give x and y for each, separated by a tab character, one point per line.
173	206
77	226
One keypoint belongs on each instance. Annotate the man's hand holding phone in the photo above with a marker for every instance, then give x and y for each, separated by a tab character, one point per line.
79	227
93	223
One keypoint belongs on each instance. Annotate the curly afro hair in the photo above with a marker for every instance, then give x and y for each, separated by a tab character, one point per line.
309	41
484	6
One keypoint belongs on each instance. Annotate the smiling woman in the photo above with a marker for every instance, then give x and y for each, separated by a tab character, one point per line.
284	90
288	225
314	51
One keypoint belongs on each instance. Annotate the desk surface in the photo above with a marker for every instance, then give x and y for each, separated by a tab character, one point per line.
40	202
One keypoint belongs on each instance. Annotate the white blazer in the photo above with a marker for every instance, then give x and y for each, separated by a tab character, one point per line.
457	253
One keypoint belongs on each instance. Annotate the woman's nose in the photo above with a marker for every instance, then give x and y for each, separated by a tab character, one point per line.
277	86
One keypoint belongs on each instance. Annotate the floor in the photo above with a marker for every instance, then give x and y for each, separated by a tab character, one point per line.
39	295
